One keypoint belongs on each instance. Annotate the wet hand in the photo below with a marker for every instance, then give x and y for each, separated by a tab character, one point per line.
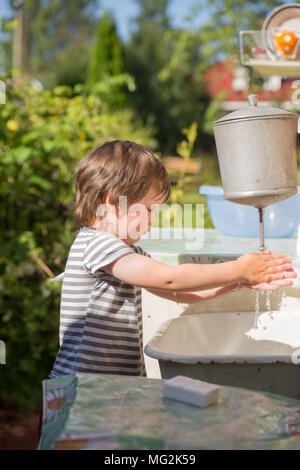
275	285
285	281
261	268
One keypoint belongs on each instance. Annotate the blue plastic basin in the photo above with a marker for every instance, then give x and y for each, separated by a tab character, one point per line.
238	220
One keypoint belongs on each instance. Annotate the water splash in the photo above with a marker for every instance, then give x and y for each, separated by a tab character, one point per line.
255	294
283	297
268	301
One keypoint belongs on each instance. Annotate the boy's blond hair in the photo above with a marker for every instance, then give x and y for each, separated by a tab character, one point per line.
122	168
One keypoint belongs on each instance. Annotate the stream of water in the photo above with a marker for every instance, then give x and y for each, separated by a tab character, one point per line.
255	294
258	295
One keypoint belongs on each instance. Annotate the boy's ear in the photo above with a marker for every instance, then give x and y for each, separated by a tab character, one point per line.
110	205
108	200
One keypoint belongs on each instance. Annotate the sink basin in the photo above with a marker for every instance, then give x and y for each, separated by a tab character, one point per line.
242	349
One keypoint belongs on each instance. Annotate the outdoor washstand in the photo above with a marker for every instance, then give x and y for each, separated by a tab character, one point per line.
244	339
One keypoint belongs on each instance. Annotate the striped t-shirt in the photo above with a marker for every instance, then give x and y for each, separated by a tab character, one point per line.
100	327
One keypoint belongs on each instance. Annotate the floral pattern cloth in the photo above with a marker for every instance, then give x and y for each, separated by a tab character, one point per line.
114	412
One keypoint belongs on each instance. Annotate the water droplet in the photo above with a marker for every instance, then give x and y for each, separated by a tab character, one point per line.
283	298
268	301
256	307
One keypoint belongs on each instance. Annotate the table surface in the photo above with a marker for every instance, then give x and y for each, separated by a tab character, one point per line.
101	411
211	241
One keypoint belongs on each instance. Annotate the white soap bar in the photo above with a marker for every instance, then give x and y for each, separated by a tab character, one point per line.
192	391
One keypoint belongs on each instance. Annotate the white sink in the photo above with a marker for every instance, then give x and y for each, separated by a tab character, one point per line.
224	341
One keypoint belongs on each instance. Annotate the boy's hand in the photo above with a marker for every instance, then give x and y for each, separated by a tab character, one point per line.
260	268
274	285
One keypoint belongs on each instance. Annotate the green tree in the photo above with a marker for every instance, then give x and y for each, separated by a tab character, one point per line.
106	57
163	62
145	56
6	29
106	66
183	85
60	35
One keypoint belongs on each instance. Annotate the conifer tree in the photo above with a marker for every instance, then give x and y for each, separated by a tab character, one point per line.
106	55
106	75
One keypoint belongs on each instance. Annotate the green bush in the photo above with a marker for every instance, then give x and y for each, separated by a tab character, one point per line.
43	135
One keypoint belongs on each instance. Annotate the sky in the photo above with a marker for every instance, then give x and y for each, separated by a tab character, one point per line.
125	10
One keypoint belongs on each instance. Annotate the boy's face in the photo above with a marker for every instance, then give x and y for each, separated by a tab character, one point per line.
128	222
139	217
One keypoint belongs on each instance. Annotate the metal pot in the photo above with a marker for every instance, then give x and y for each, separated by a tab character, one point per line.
257	152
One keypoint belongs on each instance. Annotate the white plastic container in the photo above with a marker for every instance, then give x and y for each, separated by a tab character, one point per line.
220	348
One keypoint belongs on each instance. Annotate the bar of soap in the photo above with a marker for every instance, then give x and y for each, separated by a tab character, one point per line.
192	391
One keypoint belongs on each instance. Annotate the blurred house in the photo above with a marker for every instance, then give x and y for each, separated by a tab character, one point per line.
232	82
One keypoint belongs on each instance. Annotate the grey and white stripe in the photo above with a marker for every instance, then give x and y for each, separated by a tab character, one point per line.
100	327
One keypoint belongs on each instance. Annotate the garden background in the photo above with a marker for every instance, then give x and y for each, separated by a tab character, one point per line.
80	84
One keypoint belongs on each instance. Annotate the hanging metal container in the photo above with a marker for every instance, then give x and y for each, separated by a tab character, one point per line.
257	152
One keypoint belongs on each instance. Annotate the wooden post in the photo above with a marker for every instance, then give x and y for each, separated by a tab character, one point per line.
20	60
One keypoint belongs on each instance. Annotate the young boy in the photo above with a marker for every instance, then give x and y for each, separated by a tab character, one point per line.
101	309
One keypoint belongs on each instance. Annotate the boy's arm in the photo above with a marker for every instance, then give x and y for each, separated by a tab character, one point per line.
192	298
146	272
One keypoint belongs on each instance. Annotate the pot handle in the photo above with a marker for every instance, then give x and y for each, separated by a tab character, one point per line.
252	100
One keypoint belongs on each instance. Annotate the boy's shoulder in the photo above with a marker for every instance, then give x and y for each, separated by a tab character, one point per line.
93	232
92	235
101	236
